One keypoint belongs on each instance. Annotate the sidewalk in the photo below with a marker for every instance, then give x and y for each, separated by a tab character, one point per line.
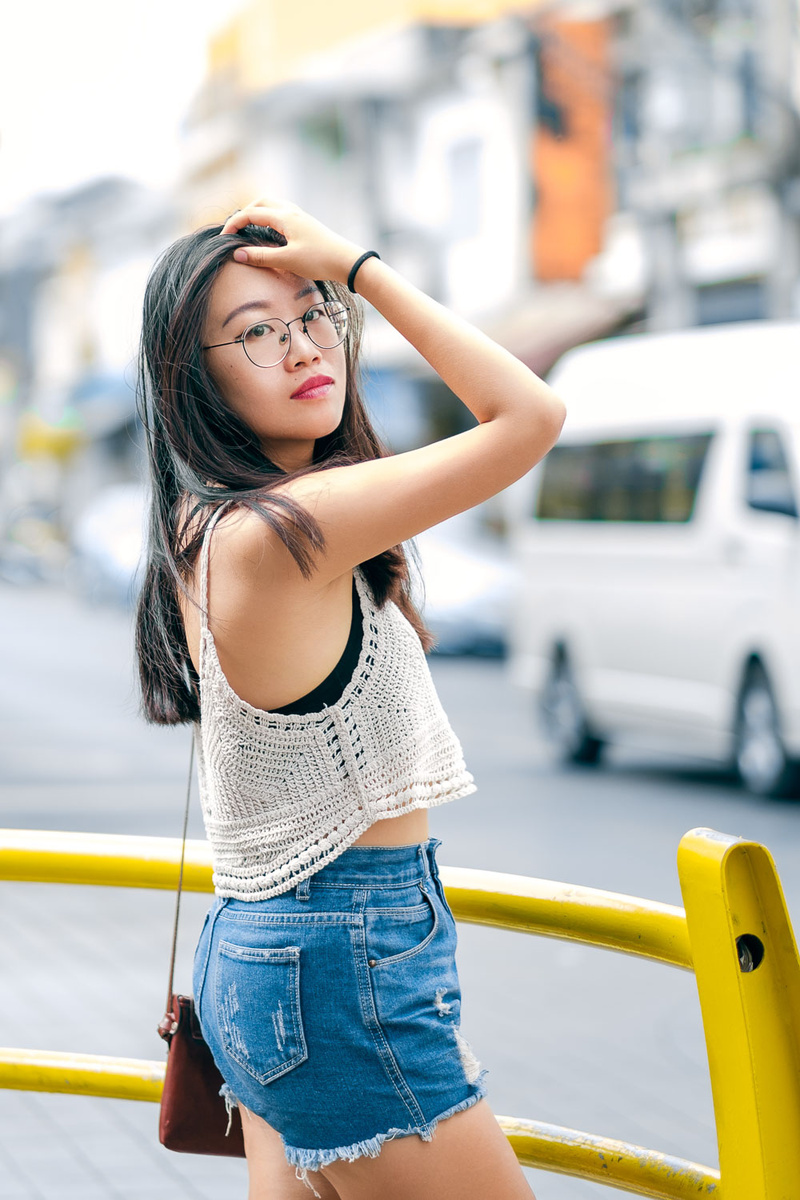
85	969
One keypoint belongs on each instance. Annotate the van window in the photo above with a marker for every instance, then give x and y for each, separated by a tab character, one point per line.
640	479
769	484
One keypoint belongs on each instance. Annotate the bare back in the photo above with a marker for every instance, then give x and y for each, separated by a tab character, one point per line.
276	644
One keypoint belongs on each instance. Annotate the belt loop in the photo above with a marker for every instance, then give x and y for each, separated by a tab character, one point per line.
432	846
422	851
303	889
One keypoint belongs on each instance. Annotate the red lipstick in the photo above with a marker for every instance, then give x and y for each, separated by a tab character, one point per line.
313	388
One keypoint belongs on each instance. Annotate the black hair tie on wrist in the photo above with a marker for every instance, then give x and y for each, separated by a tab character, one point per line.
351	278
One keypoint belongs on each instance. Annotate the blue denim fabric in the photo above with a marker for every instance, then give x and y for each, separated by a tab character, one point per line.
333	1009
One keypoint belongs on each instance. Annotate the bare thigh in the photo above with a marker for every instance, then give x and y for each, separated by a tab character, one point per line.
270	1176
469	1158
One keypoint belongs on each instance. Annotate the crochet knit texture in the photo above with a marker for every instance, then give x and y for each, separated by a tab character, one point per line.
283	795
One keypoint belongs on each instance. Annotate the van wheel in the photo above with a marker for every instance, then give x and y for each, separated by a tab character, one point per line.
761	759
564	717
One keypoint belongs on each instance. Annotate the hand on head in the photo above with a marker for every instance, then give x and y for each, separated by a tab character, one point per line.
311	250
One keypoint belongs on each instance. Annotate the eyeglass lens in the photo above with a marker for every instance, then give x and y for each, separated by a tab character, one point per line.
267	342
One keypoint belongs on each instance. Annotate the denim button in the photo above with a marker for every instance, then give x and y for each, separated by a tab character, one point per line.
372	961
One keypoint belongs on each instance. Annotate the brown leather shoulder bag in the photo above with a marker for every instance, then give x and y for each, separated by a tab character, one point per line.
194	1117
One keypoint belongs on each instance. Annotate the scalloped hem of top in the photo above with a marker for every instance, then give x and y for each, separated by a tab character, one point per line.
312	1160
223	883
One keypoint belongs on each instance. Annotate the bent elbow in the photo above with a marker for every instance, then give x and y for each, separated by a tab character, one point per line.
543	430
558	415
551	421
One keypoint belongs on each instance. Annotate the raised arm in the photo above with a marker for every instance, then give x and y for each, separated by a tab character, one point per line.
365	508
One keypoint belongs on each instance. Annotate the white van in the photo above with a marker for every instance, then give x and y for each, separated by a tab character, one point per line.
659	550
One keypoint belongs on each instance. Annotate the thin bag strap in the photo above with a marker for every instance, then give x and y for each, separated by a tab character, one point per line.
169	1022
168	1008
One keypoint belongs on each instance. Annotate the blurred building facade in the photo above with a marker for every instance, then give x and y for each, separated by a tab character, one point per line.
707	150
419	129
553	171
72	273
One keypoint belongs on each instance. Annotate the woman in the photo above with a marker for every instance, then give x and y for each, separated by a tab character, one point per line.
276	615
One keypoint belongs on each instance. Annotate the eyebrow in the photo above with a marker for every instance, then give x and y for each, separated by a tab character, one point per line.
264	304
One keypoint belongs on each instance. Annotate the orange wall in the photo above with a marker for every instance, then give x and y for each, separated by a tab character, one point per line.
572	173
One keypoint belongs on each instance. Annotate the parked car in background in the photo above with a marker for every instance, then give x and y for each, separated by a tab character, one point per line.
659	550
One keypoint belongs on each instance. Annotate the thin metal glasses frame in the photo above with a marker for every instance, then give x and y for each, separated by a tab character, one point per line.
337	305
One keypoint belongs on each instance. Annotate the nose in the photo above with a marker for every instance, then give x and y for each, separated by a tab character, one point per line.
302	349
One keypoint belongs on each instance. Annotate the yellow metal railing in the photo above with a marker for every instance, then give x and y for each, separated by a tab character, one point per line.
735	934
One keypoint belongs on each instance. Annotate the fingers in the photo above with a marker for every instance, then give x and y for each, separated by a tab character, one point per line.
259	212
250	216
310	248
270	214
263	256
266	214
231	225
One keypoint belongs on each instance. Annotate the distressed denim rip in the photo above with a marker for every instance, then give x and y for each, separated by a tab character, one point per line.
333	1010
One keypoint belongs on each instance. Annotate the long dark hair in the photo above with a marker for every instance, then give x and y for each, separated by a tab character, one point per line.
198	447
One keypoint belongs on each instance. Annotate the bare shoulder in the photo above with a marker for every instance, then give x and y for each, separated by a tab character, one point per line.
277	632
246	546
249	567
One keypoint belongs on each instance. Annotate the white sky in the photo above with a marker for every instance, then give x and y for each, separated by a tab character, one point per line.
95	87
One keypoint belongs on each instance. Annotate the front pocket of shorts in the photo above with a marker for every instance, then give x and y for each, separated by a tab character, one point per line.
393	934
258	1009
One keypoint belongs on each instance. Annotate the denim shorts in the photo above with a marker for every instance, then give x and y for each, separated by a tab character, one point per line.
333	1010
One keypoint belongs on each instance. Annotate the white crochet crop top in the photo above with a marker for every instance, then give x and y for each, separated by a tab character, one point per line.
282	795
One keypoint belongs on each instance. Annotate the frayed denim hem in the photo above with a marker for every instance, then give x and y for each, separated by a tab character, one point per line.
230	1104
312	1160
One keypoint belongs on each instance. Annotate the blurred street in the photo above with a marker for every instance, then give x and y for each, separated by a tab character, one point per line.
571	1036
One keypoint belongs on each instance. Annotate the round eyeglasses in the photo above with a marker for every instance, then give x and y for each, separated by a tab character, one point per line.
266	343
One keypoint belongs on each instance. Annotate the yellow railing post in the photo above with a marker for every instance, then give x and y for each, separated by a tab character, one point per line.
735	934
748	979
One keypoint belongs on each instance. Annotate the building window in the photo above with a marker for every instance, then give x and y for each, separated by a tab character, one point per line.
739	300
642	479
769	484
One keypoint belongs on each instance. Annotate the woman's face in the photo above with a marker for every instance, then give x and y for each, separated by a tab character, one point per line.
276	402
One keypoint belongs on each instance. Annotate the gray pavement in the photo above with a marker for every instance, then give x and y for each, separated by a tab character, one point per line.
571	1035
